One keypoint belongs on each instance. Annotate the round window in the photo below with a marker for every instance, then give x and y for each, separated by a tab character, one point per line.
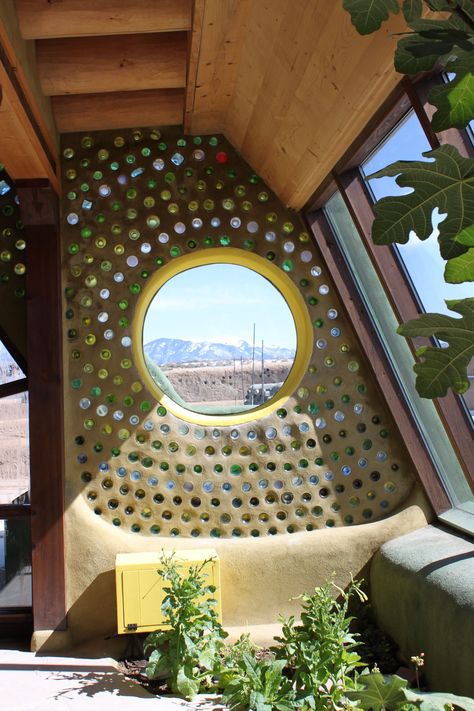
221	335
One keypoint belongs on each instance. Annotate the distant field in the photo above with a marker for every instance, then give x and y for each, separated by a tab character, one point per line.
14	448
224	383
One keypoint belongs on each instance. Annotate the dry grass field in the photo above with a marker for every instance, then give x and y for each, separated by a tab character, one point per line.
14	450
225	383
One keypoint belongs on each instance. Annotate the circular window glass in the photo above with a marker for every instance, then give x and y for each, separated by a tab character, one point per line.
220	335
219	339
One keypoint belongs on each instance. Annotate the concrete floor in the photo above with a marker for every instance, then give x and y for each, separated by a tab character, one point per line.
30	682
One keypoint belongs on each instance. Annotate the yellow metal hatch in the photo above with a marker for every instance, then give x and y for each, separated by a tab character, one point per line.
140	589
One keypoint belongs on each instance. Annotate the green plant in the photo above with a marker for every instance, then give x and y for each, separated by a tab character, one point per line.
190	650
445	181
313	666
390	693
259	685
232	655
320	650
418	661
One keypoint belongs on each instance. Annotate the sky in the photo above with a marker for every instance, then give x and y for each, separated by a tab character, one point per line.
421	257
220	303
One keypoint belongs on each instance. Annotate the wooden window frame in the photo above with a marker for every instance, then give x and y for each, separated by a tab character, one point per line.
14	387
15	621
347	179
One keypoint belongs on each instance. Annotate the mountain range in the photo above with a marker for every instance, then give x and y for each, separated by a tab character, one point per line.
175	350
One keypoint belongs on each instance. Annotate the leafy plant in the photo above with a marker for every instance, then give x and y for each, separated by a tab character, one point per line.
381	693
369	16
232	656
442	367
433	701
320	650
259	685
190	649
378	692
313	666
445	181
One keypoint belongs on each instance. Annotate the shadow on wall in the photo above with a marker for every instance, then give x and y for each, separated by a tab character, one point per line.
284	567
99	621
95	611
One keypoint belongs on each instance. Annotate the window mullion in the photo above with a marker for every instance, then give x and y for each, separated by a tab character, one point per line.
14	387
356	197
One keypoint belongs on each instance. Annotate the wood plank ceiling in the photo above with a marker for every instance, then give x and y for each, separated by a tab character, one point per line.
106	63
290	84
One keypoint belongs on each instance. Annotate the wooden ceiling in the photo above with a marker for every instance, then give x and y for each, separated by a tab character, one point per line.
290	84
107	62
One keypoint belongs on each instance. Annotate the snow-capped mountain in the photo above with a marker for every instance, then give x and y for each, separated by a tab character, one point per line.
175	350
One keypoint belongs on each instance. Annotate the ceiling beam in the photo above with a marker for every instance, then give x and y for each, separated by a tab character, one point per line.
43	19
96	112
22	151
27	148
218	33
194	49
122	63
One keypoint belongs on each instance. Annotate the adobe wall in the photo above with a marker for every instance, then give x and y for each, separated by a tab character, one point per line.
308	485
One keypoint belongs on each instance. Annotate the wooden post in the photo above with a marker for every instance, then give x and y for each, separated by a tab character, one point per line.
39	211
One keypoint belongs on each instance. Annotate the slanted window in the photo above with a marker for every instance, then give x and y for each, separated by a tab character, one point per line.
421	260
392	284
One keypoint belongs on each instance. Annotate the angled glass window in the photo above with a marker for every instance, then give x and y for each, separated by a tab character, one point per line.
422	260
385	322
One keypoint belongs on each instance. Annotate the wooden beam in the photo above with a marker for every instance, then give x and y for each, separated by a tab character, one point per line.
25	149
194	47
96	112
126	63
214	62
17	142
43	19
15	511
19	61
13	387
39	211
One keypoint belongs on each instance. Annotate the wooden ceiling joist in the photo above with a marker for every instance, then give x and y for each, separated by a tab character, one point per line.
290	84
23	148
20	149
89	65
43	19
218	33
96	112
27	148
